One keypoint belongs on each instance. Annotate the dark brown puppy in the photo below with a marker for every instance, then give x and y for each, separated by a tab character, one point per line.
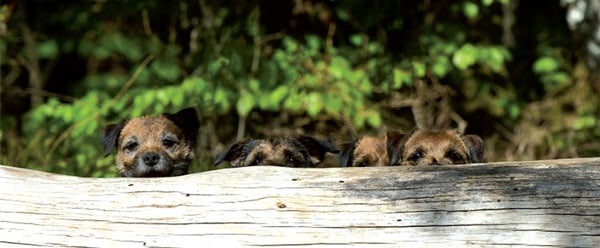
424	147
367	151
303	151
153	146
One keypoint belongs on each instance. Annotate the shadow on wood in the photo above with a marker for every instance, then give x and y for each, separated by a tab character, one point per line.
537	203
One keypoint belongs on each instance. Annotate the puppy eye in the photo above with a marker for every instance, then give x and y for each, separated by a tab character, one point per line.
131	146
362	164
292	159
168	143
416	156
454	156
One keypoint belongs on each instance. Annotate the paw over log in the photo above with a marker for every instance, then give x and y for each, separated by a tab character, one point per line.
533	203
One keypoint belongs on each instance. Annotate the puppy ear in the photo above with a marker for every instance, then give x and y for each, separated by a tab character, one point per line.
317	148
187	120
395	146
110	137
232	154
474	144
346	155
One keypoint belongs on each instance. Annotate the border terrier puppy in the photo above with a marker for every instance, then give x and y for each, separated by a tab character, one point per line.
302	151
424	147
153	146
366	151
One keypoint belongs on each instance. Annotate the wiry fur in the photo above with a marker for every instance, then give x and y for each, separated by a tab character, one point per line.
153	146
366	151
302	151
426	147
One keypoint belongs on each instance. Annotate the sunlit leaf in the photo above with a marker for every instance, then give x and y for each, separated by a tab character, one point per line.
465	56
279	94
401	77
419	69
314	104
356	39
441	66
545	65
584	122
245	104
374	119
290	44
338	67
471	10
333	104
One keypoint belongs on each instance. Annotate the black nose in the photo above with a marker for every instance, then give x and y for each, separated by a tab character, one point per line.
151	158
435	162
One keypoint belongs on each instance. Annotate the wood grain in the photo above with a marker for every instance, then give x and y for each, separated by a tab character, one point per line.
552	203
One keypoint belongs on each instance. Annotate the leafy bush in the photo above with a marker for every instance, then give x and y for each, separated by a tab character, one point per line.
335	69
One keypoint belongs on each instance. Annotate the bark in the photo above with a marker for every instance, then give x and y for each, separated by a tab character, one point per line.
540	203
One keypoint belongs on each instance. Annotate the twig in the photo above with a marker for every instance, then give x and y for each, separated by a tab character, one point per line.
146	23
36	79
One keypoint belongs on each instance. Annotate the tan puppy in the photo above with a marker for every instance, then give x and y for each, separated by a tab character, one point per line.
367	151
424	147
153	146
303	151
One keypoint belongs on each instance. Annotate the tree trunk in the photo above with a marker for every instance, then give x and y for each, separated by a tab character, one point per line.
540	203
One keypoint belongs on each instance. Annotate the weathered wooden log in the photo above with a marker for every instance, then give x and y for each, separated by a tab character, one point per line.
538	203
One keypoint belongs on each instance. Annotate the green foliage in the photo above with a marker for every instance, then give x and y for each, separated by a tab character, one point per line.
344	68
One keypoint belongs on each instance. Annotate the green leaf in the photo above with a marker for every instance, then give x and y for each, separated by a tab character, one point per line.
514	111
401	77
165	70
584	122
314	104
441	66
313	42
374	119
310	80
487	2
374	48
471	10
359	120
292	103
176	97
245	104
342	14
495	58
357	39
254	85
465	56
545	64
419	69
47	49
339	67
279	94
220	99
290	44
333	103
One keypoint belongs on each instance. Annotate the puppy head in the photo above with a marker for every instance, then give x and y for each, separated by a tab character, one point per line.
423	147
153	146
367	151
303	151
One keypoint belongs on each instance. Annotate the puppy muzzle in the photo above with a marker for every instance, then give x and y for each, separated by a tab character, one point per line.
152	164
